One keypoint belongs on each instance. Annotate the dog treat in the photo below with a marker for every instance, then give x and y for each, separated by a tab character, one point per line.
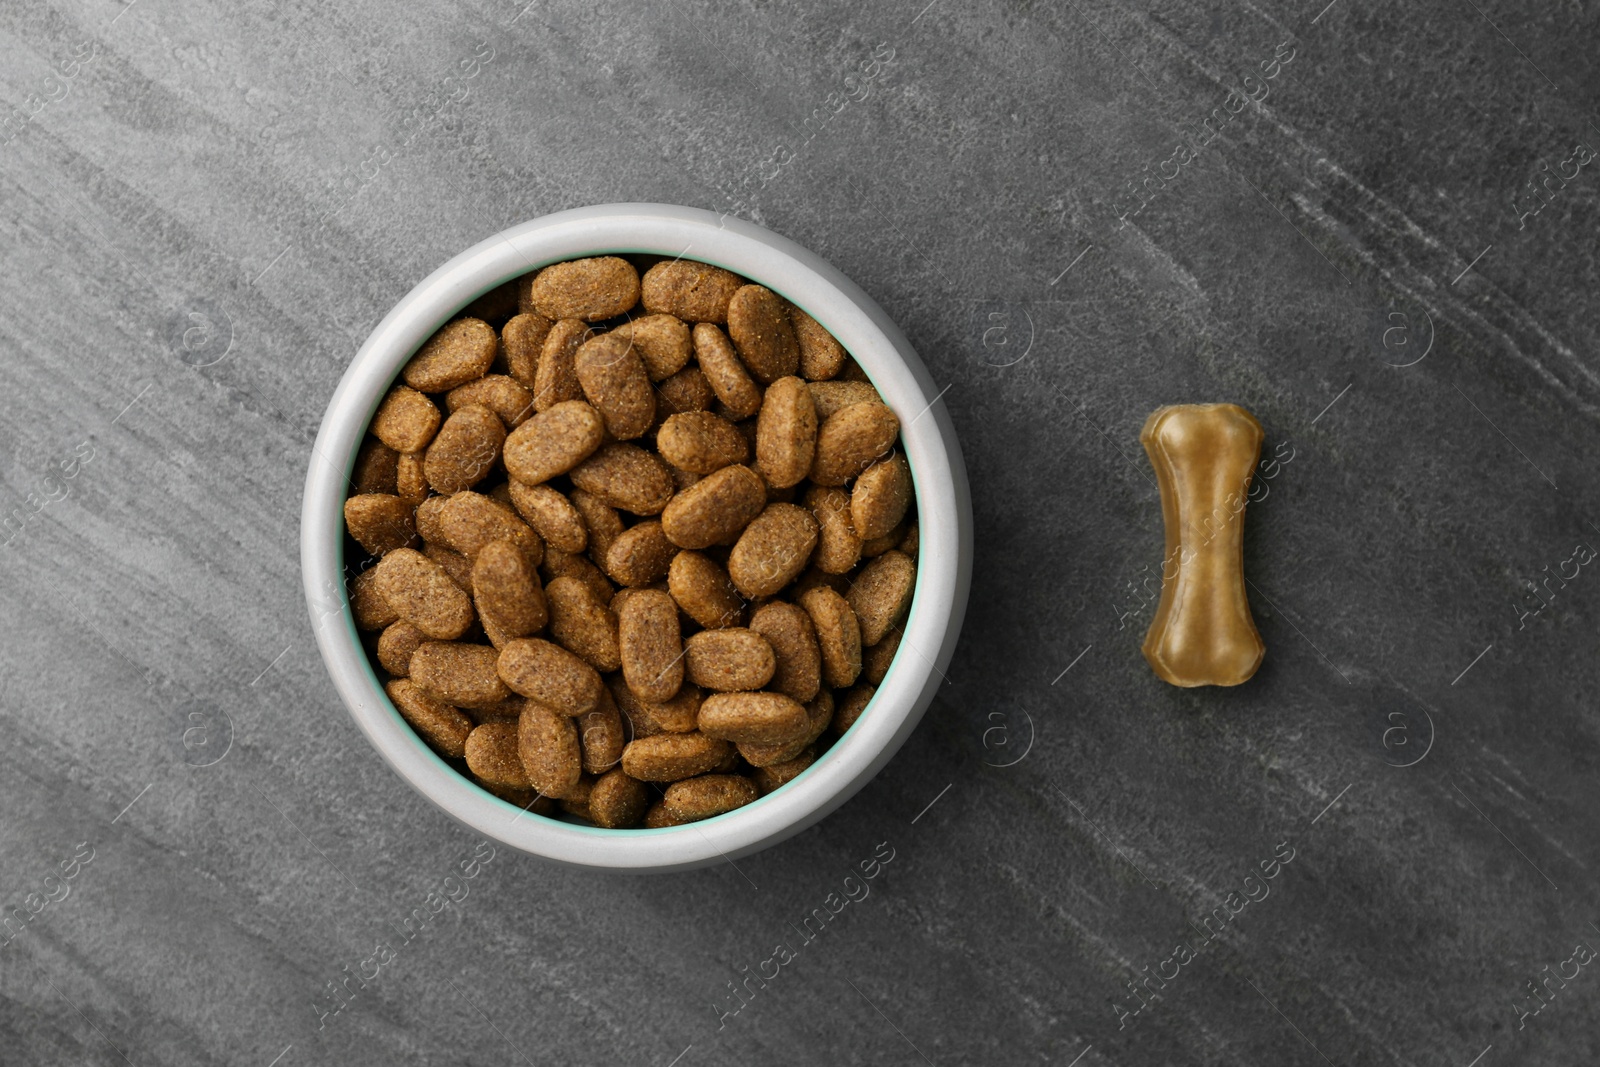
640	556
1204	457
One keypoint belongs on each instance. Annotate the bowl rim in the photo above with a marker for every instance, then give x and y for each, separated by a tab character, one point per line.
927	436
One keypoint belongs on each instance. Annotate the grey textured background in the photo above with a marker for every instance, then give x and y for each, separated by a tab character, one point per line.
207	205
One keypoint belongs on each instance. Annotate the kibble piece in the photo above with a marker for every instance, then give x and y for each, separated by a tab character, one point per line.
464	450
838	635
442	726
881	496
765	718
876	658
467	521
551	515
812	578
549	675
502	394
549	751
693	292
587	289
821	357
702	443
601	735
704	590
406	420
497	305
838	547
505	710
662	342
672	757
850	440
819	713
882	594
461	351
576	802
877	546
379	522
714	508
410	479
786	433
758	325
687	390
793	638
583	625
651	646
559	564
457	566
371	610
851	705
557	379
375	468
729	660
601	521
395	646
772	550
726	375
640	555
553	442
659	817
506	590
459	674
777	775
708	795
615	381
617	800
491	751
680	715
626	476
422	594
522	340
911	541
835	396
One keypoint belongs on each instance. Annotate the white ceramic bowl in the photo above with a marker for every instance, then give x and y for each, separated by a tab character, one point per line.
943	510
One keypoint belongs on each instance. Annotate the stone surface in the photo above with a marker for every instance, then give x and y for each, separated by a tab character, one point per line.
208	206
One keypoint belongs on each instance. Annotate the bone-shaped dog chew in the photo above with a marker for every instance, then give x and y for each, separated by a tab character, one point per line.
1204	456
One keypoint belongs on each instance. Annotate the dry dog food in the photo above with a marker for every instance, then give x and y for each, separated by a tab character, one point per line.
638	552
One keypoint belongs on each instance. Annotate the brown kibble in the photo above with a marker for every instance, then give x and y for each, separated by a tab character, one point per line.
496	305
371	610
549	675
765	718
505	710
879	545
724	372
406	420
773	550
835	396
615	381
704	590
492	755
459	674
395	646
626	476
661	341
882	594
786	433
600	520
506	590
601	735
714	508
587	289
838	635
838	547
693	292
440	725
651	646
685	391
617	800
551	515
522	340
659	817
461	351
758	325
558	564
821	356
553	442
422	594
583	624
851	705
876	658
776	776
466	521
793	638
375	468
509	399
379	522
640	555
701	443
680	715
576	802
410	479
557	379
850	440
911	541
548	749
881	496
464	450
672	757
819	713
729	660
457	566
708	795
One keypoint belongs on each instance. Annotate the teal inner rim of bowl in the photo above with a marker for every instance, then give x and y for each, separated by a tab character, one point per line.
372	675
